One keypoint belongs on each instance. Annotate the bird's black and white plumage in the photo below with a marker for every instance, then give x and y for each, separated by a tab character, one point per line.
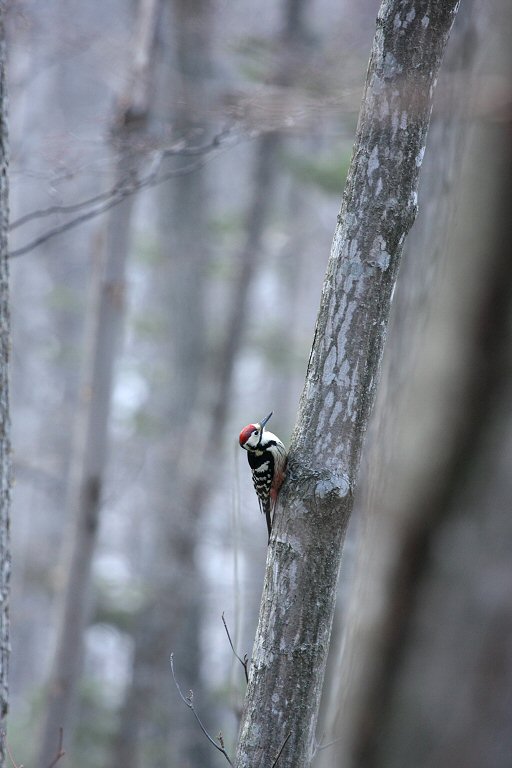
267	460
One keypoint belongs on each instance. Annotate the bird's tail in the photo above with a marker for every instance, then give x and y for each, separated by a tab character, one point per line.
267	509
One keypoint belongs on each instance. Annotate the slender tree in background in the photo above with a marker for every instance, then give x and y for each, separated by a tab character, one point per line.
378	209
47	307
89	460
154	726
5	457
267	168
181	469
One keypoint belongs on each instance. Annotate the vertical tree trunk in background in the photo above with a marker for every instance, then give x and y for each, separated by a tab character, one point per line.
432	678
89	459
379	207
155	727
413	409
5	447
50	282
444	694
186	478
266	169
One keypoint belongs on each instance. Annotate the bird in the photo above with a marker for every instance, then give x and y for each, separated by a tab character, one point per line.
267	459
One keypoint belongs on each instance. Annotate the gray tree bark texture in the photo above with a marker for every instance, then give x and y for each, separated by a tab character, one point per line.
378	209
89	459
5	448
410	437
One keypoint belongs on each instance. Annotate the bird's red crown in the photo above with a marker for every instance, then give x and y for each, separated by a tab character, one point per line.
246	433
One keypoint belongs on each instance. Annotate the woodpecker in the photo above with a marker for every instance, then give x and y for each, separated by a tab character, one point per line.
267	460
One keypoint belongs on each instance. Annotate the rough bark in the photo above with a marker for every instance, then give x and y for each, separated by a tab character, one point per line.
409	423
89	459
410	435
378	209
5	454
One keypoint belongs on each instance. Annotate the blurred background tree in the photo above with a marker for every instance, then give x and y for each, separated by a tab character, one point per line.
251	115
5	423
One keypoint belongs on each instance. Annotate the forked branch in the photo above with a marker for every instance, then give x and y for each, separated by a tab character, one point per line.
245	661
189	702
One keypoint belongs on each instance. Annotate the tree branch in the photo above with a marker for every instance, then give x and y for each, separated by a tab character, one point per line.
245	661
188	701
60	751
58	755
126	188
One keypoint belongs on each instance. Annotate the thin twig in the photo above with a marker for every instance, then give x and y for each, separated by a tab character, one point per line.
283	745
188	701
52	210
116	196
3	736
149	181
319	746
177	150
60	751
245	661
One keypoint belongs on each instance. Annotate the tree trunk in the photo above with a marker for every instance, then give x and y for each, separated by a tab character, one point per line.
154	724
89	460
411	417
443	696
5	427
432	676
266	169
378	209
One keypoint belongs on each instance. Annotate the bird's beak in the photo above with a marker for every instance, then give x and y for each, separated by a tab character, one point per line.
264	421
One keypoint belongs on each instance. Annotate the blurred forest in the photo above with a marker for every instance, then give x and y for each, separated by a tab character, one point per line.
176	172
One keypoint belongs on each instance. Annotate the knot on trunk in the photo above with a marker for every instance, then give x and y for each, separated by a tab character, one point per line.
314	486
331	486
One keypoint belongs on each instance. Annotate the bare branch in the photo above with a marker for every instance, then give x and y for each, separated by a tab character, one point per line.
9	753
188	701
319	747
58	755
52	210
126	188
245	661
60	751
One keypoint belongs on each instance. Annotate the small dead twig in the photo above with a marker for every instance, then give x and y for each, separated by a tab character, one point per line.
189	702
9	753
98	204
283	745
245	661
60	751
319	746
